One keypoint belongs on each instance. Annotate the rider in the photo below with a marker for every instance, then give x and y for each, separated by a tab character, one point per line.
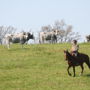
74	48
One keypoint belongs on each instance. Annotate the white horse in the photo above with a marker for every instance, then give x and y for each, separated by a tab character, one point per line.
17	38
44	36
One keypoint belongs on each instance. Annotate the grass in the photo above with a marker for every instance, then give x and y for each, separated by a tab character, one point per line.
40	67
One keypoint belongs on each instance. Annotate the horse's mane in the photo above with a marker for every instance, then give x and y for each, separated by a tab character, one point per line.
70	56
80	56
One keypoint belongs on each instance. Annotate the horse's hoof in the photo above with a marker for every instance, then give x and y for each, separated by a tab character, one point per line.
70	74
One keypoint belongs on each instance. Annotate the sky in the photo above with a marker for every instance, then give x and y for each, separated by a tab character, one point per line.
33	14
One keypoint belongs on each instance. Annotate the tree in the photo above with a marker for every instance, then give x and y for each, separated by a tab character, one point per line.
6	30
65	32
47	28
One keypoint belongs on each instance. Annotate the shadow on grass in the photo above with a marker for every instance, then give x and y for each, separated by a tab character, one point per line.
88	75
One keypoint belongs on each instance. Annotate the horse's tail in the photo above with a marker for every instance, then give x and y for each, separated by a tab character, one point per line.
88	62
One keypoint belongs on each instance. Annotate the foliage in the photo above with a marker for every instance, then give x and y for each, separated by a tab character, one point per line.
6	30
65	32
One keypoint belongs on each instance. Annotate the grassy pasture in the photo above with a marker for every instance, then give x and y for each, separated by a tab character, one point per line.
40	67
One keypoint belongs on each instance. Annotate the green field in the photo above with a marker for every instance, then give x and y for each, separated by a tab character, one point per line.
40	67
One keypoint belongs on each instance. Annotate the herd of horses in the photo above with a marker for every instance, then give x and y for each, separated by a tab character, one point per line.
23	37
73	61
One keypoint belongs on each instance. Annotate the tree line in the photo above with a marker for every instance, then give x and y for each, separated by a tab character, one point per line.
65	31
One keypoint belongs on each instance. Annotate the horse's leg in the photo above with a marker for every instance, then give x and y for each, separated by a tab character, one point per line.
74	71
68	70
43	41
82	69
8	45
22	45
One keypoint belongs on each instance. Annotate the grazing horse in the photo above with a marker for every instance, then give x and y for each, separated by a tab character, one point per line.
18	38
51	36
76	61
88	38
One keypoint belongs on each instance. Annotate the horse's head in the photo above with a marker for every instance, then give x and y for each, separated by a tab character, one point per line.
66	54
30	36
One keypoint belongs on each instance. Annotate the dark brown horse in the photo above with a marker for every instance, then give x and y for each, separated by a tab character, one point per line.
76	61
